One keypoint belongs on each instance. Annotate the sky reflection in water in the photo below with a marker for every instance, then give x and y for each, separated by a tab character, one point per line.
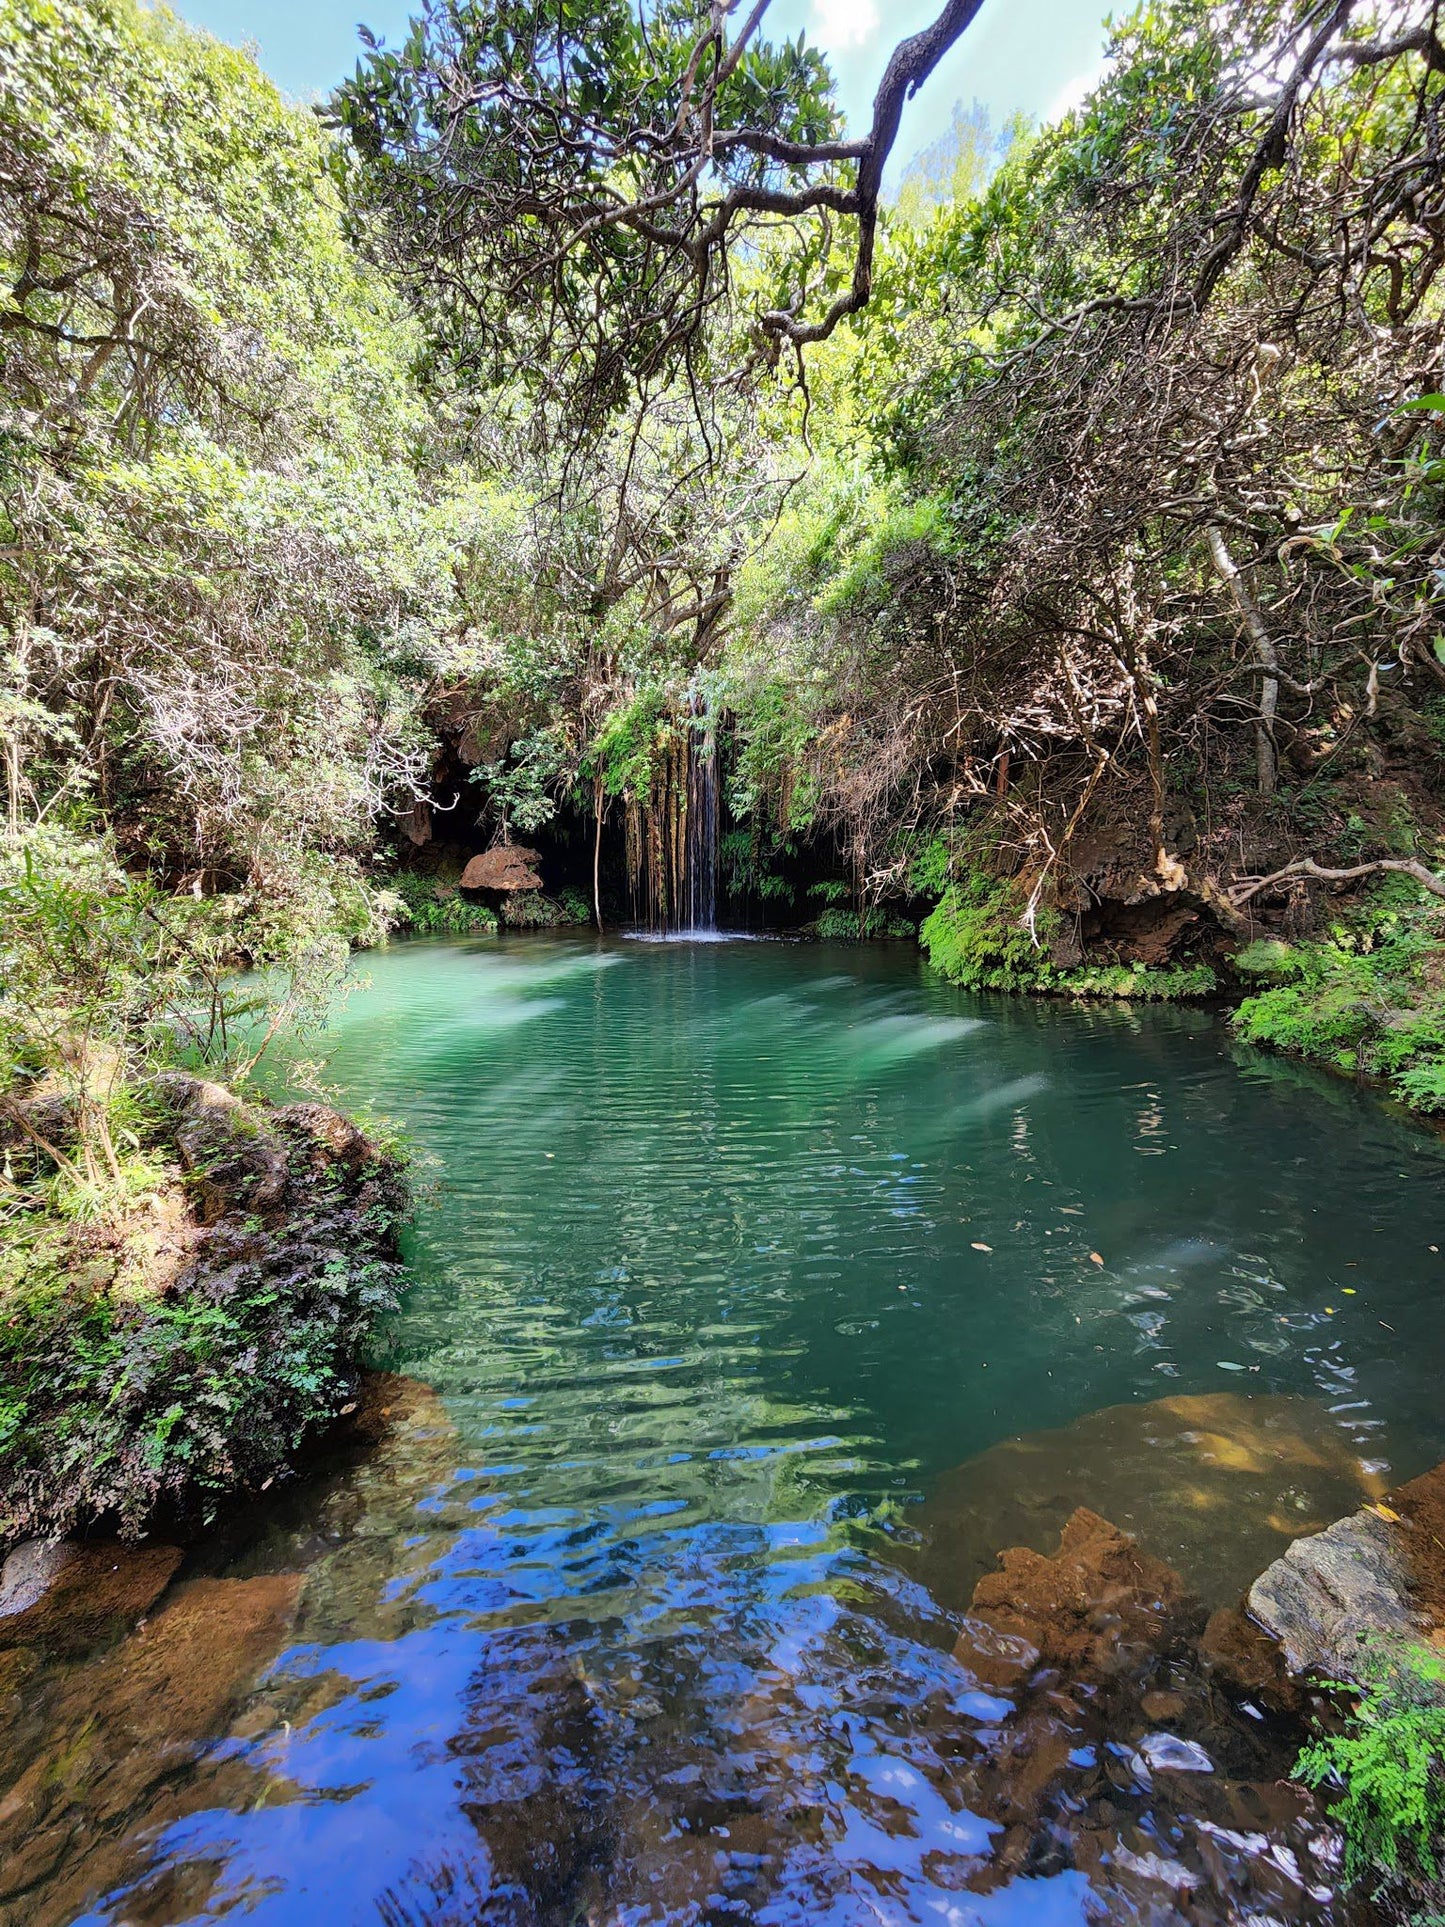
740	1254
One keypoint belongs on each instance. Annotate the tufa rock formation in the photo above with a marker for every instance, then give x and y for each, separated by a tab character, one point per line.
510	866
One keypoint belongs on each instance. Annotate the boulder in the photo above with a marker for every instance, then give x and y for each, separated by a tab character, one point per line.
69	1595
510	866
1092	1610
1331	1592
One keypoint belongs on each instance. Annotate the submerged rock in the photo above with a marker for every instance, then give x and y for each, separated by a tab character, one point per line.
68	1596
108	1741
1217	1485
1094	1608
1334	1591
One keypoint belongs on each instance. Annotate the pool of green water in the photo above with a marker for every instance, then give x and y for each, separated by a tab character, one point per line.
763	1293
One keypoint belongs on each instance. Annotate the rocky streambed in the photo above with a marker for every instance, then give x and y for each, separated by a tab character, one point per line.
1097	1719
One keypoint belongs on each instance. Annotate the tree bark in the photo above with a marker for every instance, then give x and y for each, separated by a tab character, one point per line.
1265	748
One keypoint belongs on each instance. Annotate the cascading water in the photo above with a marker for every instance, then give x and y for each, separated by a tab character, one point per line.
672	835
700	901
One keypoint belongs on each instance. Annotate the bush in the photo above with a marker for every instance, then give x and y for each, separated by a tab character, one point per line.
1388	1767
436	909
1368	999
155	1363
839	925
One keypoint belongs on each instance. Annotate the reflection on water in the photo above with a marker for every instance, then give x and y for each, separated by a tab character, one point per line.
748	1261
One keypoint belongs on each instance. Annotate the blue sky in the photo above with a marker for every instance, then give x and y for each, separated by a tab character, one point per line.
1034	56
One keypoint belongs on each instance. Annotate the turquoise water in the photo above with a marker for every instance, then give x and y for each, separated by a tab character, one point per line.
739	1264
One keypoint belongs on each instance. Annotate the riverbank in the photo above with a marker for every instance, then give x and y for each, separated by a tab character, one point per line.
177	1351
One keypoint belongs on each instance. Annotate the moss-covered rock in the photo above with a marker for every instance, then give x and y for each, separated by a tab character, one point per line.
153	1364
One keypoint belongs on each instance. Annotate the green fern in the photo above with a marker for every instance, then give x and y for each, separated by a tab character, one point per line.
1389	1765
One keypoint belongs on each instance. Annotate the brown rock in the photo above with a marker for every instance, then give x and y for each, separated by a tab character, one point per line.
69	1596
1163	1708
1216	1484
1421	1506
507	867
122	1725
1246	1661
1092	1608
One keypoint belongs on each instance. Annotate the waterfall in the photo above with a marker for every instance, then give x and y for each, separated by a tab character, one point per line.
700	904
671	835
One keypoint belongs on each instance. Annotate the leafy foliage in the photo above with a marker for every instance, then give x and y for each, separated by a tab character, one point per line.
1369	998
143	1369
436	909
1389	1767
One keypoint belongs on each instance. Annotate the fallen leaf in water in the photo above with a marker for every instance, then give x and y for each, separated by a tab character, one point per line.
1384	1512
1095	1259
979	1247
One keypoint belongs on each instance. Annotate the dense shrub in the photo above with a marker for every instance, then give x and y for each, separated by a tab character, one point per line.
1369	998
157	1364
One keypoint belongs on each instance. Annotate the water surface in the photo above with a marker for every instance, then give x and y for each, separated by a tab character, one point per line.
744	1263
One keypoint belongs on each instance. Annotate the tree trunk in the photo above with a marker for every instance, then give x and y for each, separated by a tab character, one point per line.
1266	752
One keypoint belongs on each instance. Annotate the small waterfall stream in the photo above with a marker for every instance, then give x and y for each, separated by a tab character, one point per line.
672	835
699	904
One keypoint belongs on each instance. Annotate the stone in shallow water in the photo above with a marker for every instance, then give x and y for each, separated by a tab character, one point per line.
124	1727
69	1595
1216	1484
1331	1592
1093	1608
1167	1753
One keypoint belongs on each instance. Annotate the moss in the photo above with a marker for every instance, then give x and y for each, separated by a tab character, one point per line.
979	937
165	1361
1368	999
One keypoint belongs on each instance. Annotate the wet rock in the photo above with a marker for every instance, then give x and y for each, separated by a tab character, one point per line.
1091	1609
1162	1707
1420	1505
122	1727
1334	1590
507	867
1167	1753
1247	1662
1217	1484
69	1596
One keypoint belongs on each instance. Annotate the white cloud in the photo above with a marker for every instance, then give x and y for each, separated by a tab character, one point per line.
1075	92
839	24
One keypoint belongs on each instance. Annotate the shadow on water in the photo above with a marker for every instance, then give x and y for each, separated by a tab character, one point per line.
771	1292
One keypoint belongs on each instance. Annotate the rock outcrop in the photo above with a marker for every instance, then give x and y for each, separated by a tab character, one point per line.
510	866
1332	1592
1378	1574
